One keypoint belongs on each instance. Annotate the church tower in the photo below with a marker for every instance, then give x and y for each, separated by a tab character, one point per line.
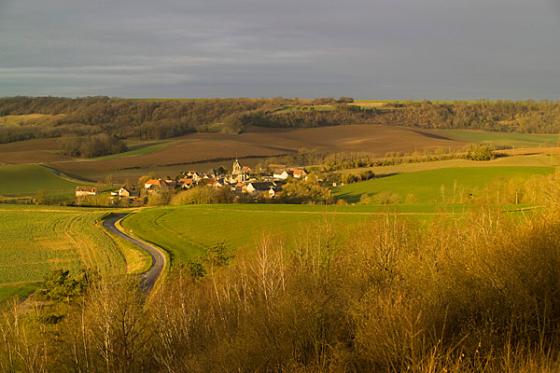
236	171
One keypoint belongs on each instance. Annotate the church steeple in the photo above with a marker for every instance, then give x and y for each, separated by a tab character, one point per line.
236	169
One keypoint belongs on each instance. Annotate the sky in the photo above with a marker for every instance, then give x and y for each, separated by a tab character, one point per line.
370	49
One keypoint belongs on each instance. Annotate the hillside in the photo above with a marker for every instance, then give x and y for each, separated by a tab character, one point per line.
23	118
437	186
36	241
18	180
203	150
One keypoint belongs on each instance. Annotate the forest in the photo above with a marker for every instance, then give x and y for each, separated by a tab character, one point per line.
159	119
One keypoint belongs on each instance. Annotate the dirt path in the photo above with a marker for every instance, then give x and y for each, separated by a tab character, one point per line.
150	277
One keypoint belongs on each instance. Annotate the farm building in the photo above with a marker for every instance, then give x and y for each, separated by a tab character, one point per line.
186	183
85	191
298	173
152	184
266	188
122	192
280	174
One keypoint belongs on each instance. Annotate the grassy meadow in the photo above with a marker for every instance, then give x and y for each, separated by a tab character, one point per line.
20	180
36	240
187	231
437	186
514	139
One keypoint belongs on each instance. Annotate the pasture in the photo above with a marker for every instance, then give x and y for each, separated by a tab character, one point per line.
513	139
37	240
19	180
438	186
32	151
187	231
531	160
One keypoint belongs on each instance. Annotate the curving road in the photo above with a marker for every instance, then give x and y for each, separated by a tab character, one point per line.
149	277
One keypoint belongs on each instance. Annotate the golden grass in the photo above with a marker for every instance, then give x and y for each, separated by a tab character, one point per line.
28	119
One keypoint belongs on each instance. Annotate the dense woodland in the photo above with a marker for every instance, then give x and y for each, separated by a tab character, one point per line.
157	119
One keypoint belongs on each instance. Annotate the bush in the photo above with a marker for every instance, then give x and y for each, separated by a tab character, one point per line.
94	146
381	198
306	191
481	153
202	195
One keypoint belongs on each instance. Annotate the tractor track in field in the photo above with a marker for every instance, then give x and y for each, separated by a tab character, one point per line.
150	277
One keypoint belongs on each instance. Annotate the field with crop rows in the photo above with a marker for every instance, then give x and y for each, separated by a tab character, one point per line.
37	240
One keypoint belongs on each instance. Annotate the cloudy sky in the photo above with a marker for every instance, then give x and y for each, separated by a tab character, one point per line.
434	49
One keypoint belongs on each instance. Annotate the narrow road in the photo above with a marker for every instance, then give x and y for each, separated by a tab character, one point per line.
150	277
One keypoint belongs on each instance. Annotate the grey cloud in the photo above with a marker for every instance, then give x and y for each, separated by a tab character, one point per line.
362	48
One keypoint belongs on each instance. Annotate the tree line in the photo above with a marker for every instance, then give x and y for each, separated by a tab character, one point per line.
158	119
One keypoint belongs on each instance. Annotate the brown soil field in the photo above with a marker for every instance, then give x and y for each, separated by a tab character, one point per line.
204	150
31	151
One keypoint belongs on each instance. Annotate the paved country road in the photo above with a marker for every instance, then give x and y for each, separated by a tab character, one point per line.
150	277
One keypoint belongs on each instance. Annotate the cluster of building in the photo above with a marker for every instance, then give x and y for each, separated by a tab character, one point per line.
241	179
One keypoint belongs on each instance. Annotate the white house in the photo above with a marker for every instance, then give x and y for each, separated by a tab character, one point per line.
85	191
299	173
280	174
122	192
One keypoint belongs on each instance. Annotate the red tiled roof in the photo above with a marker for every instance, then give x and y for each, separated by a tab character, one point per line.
153	182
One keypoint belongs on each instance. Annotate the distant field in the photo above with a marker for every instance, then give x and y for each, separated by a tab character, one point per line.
372	103
37	240
499	138
289	109
202	148
27	120
31	151
532	160
186	231
435	186
201	151
137	150
29	179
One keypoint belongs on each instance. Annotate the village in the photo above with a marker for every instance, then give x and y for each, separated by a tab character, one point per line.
241	181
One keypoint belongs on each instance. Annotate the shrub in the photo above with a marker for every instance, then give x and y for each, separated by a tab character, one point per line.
202	195
93	146
480	153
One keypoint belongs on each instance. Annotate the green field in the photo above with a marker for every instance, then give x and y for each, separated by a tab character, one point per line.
186	231
514	139
435	186
37	240
136	150
20	180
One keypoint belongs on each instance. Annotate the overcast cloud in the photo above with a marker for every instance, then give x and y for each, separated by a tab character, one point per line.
453	49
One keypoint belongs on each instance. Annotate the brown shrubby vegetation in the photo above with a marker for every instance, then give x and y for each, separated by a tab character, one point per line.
93	146
203	195
309	190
